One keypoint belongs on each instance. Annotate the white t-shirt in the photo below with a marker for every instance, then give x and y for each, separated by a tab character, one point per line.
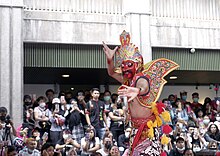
83	142
41	113
102	152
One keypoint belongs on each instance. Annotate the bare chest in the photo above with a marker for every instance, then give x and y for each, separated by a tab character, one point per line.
139	111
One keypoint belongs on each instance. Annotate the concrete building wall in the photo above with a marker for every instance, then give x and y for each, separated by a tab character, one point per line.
171	23
11	57
185	33
72	28
158	23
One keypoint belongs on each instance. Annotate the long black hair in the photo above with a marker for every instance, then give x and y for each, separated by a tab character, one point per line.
92	140
216	135
209	129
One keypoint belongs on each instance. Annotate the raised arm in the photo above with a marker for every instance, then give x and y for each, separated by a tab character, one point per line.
110	63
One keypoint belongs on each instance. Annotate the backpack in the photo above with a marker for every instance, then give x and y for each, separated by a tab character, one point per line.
74	119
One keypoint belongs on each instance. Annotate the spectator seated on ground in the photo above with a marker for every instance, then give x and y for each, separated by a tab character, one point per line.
179	148
30	148
217	122
90	143
213	145
72	152
48	149
198	139
123	139
114	151
189	152
212	134
66	143
206	122
107	143
196	147
10	151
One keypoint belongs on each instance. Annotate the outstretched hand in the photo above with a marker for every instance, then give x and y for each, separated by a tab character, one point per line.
130	92
109	52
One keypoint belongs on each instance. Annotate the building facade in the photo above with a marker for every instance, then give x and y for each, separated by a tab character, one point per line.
41	39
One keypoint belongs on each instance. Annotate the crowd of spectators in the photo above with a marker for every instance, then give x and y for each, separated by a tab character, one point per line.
91	123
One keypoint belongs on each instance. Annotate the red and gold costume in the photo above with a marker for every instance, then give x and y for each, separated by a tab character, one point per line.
143	85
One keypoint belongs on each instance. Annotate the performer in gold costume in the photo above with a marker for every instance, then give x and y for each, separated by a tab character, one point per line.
142	85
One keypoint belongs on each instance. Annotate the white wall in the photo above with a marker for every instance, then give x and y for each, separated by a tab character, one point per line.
38	89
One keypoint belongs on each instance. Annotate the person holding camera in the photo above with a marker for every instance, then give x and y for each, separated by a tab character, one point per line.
6	126
57	121
66	143
74	121
90	143
28	114
41	115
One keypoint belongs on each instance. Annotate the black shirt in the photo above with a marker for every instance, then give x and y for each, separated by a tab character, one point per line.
96	110
175	152
116	125
64	150
123	141
83	118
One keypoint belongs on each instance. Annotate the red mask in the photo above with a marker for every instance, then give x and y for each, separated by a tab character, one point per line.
128	68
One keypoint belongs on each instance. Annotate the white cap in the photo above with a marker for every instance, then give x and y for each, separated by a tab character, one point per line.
56	100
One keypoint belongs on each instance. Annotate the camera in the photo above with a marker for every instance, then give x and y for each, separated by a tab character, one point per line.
6	119
119	105
87	136
116	113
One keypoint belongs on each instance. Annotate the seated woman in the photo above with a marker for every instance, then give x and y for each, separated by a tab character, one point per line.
72	152
114	151
90	143
48	150
212	134
66	143
188	152
10	151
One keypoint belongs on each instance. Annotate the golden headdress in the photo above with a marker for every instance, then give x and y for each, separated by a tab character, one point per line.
127	51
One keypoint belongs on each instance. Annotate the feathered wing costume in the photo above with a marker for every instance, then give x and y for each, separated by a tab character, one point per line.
155	71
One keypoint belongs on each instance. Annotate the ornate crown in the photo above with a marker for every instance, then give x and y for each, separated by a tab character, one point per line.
127	51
